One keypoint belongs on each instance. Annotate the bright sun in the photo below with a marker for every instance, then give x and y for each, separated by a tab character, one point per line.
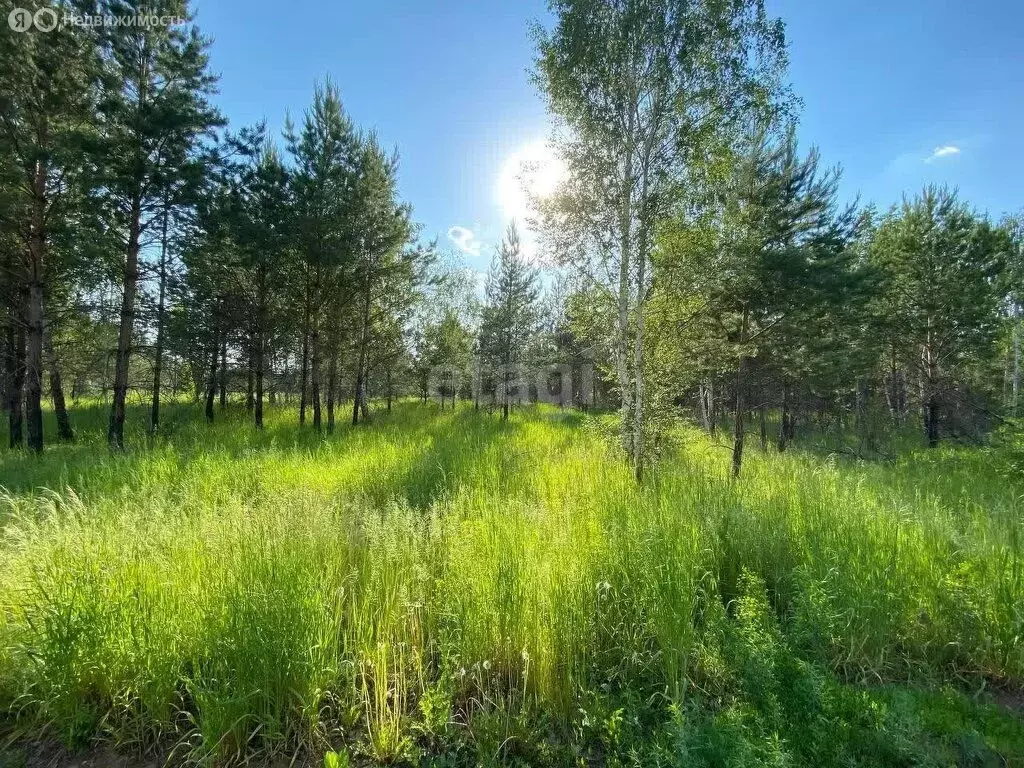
533	170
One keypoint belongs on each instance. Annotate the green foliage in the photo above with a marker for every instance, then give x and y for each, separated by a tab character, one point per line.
509	317
447	589
938	262
776	708
646	94
508	596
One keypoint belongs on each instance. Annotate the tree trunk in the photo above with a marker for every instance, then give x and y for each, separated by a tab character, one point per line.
250	381
860	410
784	422
763	419
198	373
115	433
223	370
60	409
862	420
504	396
359	393
890	390
37	265
1015	384
314	344
477	383
703	406
896	392
712	409
304	375
621	362
624	294
332	386
738	431
34	368
930	400
15	370
17	416
738	421
258	373
931	421
356	396
158	362
211	388
641	246
638	369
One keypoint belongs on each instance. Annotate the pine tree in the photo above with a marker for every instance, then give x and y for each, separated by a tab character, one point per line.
752	284
325	154
46	102
155	112
382	229
510	314
264	227
938	263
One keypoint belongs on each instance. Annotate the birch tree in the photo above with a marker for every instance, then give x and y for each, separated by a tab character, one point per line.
638	88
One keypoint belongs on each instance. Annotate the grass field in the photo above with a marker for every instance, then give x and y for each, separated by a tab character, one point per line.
440	588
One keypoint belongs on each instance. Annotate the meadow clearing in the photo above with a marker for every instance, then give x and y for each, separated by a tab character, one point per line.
442	588
635	209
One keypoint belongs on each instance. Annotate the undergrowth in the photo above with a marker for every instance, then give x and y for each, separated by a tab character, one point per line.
442	588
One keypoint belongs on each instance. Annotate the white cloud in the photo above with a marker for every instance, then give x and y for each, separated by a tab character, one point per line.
464	240
949	150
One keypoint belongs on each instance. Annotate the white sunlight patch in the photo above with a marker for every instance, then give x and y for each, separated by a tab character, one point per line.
532	171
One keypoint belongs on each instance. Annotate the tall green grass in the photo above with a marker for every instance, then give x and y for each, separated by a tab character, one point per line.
442	581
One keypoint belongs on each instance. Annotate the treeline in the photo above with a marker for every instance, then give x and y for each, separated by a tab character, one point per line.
147	249
840	320
704	263
717	270
144	246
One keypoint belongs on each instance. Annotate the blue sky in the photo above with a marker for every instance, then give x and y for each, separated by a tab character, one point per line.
898	93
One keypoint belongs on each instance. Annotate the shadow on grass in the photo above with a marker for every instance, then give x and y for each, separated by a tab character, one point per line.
458	450
417	452
897	463
184	438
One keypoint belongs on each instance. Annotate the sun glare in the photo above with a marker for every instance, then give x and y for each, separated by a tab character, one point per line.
532	171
